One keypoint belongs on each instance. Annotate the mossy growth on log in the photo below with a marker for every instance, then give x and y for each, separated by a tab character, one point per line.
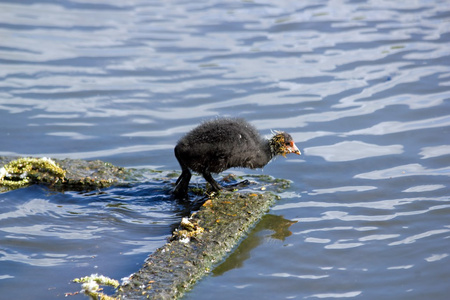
90	286
67	174
24	171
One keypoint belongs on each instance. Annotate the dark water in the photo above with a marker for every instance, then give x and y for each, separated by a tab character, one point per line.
362	86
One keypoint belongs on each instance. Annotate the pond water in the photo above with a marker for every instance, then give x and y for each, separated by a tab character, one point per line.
362	86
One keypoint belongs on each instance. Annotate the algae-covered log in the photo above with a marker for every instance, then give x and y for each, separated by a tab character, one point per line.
174	268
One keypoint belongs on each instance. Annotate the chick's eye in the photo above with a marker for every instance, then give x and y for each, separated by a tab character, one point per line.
288	144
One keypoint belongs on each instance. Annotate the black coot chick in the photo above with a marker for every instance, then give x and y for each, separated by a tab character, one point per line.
220	144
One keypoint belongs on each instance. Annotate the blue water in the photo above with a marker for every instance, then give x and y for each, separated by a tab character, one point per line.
362	86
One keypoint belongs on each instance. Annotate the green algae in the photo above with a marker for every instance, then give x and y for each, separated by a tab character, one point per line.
60	175
91	286
24	171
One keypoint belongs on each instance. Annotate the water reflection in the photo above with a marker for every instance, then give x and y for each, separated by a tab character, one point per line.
404	171
279	227
353	150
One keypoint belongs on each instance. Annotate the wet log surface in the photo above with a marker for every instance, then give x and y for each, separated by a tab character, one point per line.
174	268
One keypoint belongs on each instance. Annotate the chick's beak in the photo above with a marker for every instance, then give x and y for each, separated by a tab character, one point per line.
293	149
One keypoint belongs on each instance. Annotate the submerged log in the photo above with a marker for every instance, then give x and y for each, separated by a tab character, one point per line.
195	249
200	242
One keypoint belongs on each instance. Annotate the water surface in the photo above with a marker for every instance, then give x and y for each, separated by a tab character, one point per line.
362	86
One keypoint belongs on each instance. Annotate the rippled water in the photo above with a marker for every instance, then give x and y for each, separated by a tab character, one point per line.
362	86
